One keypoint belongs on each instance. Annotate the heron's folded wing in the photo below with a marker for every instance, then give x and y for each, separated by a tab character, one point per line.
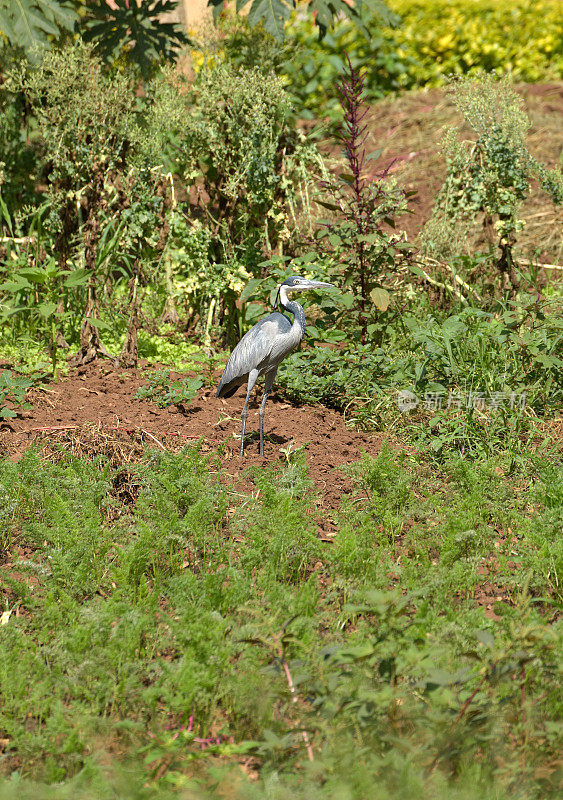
253	351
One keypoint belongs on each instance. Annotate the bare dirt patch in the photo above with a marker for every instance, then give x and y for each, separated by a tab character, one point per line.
103	400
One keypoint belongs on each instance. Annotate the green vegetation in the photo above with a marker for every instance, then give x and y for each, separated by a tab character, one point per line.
438	38
416	43
164	623
131	34
165	392
490	176
13	389
173	624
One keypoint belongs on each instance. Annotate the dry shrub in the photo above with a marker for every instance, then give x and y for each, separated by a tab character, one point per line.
120	448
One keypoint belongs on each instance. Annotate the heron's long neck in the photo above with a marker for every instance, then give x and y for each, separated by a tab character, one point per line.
294	308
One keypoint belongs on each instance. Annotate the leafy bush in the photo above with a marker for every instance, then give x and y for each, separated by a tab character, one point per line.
312	66
248	171
439	37
273	15
13	388
356	237
18	161
425	43
104	202
491	175
480	377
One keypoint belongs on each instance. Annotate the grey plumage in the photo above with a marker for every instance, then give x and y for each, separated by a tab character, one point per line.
261	350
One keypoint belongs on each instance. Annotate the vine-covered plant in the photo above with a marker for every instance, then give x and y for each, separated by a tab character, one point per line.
359	236
104	197
247	172
490	175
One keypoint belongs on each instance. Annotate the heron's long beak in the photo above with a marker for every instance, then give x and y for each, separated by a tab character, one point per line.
313	285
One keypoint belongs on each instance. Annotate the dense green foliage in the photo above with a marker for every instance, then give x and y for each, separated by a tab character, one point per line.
126	32
491	175
110	216
438	38
482	379
159	624
273	15
31	25
419	43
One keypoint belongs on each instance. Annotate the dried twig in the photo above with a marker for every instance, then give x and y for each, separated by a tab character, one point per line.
279	648
152	437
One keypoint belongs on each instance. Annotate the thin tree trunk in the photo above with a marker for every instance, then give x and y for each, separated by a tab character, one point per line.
130	351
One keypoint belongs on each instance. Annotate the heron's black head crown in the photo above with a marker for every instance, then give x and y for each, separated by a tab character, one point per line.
294	280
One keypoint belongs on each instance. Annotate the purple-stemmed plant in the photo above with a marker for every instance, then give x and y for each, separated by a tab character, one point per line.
366	207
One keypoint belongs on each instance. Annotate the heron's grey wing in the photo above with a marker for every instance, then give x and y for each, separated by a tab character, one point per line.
253	352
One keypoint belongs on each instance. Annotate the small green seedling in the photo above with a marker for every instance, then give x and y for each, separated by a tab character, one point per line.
165	392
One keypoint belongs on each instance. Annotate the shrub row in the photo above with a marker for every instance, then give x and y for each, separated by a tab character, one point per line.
438	37
433	39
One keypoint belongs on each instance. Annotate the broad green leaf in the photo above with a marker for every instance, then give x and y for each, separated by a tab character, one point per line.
330	206
34	275
15	285
380	298
77	277
47	309
3	206
98	323
249	289
272	13
29	23
137	31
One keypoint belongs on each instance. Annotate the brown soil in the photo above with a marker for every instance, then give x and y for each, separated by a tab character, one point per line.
93	412
98	396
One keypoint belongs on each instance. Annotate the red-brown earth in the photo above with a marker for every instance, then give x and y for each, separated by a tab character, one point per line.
98	395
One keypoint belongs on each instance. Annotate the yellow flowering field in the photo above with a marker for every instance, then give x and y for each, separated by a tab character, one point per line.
523	37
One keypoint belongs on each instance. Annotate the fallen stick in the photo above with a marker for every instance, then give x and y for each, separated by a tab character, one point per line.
152	437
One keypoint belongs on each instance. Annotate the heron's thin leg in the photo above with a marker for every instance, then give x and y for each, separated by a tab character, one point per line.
252	378
270	377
